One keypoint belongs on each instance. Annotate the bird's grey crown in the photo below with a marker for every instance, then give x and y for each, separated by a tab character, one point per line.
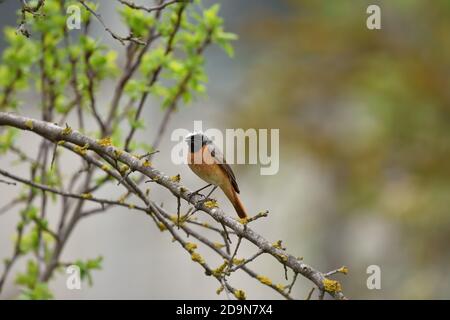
197	136
196	140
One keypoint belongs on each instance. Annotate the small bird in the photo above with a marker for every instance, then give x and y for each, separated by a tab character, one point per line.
207	162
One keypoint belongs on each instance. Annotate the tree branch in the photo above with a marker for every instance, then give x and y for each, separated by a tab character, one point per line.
56	133
121	39
150	9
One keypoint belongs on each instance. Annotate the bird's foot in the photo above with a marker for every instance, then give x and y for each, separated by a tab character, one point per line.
194	194
197	193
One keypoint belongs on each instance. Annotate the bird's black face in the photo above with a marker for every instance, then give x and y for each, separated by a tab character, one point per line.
196	142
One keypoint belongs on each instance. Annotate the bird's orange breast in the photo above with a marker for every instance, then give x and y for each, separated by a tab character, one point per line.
205	166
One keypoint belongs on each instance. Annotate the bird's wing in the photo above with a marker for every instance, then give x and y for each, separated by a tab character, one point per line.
220	160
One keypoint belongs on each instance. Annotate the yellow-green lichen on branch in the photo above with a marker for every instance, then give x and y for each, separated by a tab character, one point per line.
29	124
280	287
331	286
66	131
189	246
237	261
118	153
123	169
81	150
243	221
161	227
264	280
219	290
211	204
218	245
179	220
197	258
278	245
147	163
283	257
239	294
343	270
218	272
105	142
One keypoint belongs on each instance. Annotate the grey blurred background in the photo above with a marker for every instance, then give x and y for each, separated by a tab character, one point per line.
363	118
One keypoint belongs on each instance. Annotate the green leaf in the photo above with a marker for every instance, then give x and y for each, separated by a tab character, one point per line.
177	67
7	139
210	16
226	36
30	277
152	60
87	266
138	21
223	40
88	44
95	264
135	88
85	13
29	241
29	213
39	292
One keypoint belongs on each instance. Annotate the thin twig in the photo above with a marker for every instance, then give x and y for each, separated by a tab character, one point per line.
62	193
150	9
310	293
53	156
121	39
55	133
10	205
321	294
239	266
178	211
230	263
342	270
154	75
7	182
292	283
258	216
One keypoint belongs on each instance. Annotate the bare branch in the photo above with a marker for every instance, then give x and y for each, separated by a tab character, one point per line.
155	74
46	188
121	39
150	9
54	133
7	182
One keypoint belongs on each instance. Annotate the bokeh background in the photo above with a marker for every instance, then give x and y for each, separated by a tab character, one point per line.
364	119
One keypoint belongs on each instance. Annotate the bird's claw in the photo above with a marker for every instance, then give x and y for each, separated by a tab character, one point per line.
192	195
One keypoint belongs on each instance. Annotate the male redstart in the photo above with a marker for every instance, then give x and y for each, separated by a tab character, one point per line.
207	162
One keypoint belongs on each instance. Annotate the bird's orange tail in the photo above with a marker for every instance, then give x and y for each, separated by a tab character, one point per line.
239	207
235	201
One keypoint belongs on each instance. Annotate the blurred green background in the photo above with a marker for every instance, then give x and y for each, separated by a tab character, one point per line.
370	109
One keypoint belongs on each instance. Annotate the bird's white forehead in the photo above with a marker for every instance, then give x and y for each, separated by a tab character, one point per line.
195	133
